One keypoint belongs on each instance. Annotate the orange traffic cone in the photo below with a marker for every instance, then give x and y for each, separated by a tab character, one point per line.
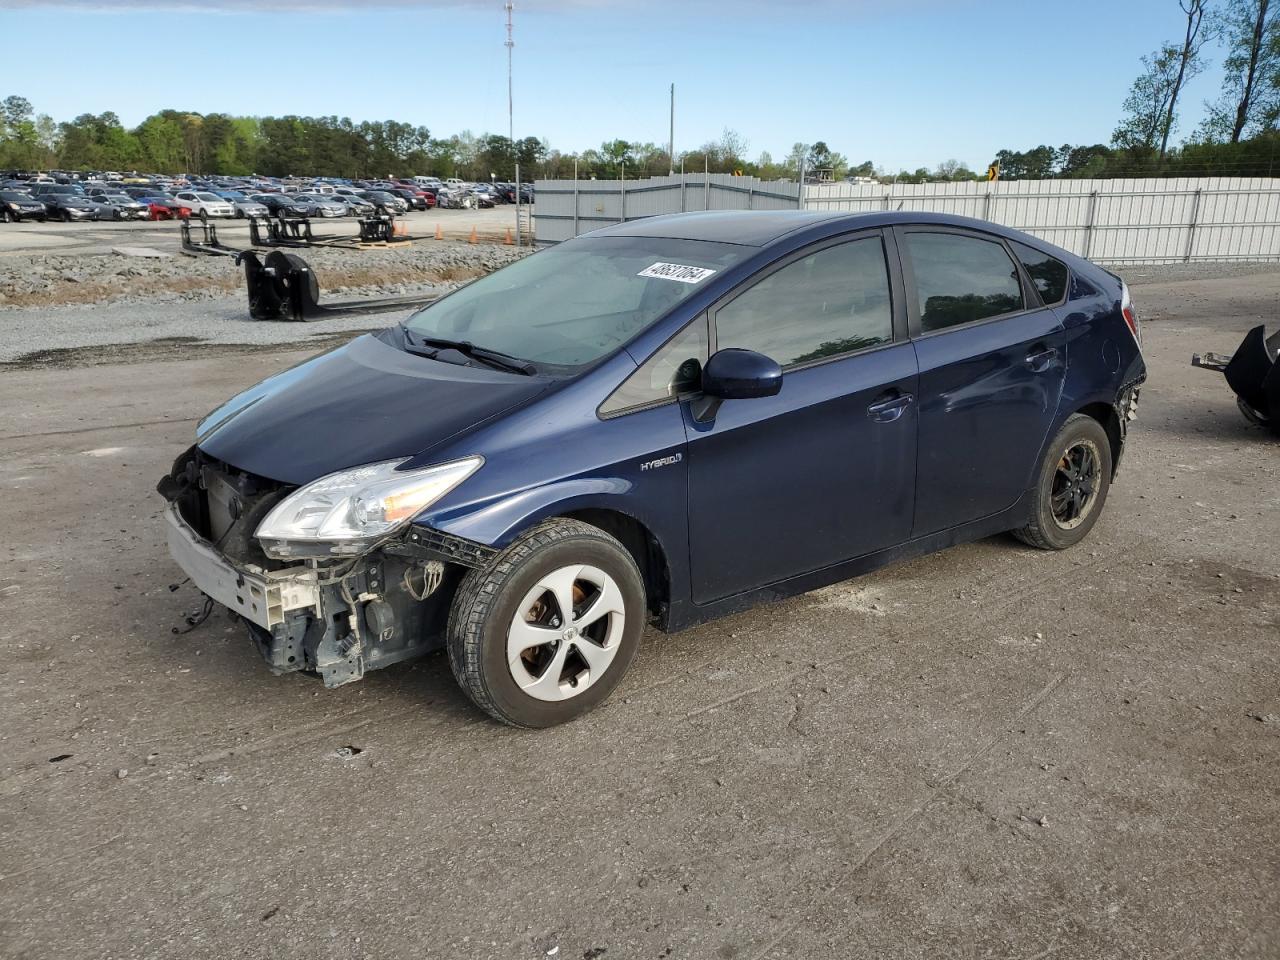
507	239
472	238
439	232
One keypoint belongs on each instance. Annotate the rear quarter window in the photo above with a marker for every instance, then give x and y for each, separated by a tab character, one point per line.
1049	275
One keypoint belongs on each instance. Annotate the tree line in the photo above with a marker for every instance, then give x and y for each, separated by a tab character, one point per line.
1240	135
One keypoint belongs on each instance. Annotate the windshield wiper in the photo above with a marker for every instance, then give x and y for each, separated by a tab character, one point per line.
493	358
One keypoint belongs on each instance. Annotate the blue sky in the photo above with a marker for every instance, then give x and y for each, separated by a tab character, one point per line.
905	83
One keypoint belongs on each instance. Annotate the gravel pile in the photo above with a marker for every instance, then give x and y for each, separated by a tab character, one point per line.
50	280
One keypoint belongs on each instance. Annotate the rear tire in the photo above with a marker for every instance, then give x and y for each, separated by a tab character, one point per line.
1071	486
571	659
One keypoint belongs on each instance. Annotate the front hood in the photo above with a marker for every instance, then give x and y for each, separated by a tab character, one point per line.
365	402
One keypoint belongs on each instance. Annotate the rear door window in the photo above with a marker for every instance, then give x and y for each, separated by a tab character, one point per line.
1049	275
832	302
960	279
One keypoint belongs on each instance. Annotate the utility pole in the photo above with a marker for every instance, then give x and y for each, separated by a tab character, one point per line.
511	125
511	122
671	138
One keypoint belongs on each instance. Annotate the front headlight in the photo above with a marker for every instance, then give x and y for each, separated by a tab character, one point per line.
347	512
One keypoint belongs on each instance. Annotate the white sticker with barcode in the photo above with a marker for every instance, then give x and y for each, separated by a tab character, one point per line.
677	272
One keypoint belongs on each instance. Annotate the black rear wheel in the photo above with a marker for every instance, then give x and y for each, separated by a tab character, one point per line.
1071	487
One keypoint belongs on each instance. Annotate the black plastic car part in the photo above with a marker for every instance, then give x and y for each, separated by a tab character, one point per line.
284	287
1253	373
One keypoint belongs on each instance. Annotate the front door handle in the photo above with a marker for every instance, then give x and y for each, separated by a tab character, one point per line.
889	409
1040	358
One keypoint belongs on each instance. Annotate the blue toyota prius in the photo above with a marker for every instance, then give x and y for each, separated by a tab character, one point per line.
659	422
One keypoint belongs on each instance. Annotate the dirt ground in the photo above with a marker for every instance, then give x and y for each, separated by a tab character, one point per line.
989	752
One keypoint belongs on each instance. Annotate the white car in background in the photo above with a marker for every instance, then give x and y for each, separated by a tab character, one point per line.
205	205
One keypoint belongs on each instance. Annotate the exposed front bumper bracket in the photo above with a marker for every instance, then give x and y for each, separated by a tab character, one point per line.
260	596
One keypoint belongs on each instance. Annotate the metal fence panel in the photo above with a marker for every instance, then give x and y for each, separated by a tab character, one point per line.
1118	221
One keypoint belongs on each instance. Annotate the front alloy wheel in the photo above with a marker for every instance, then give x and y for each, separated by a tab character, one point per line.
566	632
546	630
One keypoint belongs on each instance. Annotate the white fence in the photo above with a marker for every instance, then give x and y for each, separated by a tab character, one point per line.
1112	221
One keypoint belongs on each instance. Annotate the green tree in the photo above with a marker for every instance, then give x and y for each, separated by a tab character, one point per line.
1151	109
1250	98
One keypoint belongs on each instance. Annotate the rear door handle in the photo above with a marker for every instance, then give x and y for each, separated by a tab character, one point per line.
1040	359
889	409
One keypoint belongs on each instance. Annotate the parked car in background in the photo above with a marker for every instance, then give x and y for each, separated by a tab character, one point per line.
161	206
457	198
282	204
356	206
385	202
243	204
743	406
416	199
16	205
40	190
508	191
205	204
69	204
119	206
321	205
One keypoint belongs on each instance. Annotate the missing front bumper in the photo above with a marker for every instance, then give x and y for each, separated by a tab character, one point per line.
261	597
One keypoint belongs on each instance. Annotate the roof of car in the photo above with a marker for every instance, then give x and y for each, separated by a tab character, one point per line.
759	228
753	228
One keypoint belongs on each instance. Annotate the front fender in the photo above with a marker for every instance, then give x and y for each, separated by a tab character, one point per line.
499	522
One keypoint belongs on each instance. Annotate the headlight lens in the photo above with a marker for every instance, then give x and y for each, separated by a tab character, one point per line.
346	512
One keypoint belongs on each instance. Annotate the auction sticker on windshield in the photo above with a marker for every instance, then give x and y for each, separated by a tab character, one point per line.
677	272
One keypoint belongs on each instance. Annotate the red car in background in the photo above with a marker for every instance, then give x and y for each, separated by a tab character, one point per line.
163	207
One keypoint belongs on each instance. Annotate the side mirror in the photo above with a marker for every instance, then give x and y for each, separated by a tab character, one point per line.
736	374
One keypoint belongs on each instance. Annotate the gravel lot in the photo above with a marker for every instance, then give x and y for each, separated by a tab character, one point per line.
988	752
110	300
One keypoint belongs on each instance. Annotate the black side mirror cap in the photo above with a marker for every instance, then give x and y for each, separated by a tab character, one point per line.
736	374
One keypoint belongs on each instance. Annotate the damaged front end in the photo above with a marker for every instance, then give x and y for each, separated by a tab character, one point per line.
336	616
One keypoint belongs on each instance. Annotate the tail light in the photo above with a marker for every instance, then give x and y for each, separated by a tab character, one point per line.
1130	317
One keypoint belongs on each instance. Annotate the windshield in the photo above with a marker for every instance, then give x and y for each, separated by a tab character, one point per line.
576	302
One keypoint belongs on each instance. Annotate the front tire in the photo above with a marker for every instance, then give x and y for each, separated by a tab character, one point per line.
545	632
1071	486
8	216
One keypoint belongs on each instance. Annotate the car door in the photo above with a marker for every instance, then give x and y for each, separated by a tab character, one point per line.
825	470
992	361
